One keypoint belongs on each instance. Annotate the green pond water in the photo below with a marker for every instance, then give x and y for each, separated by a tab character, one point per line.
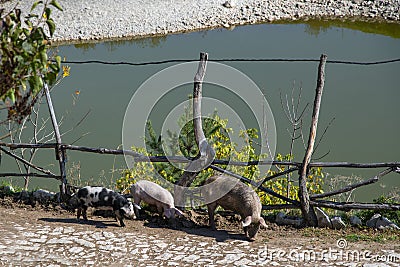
362	100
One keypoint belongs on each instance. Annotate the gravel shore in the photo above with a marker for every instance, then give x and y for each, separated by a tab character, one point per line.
108	19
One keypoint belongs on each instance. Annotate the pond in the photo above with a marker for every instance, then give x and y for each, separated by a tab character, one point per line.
362	100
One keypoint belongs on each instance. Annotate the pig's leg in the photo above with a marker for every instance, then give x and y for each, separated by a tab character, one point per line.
78	215
160	211
84	209
137	201
120	218
211	208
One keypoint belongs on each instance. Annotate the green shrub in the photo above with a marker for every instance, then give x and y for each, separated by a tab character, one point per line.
217	134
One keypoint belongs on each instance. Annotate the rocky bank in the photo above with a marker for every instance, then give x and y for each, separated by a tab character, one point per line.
109	19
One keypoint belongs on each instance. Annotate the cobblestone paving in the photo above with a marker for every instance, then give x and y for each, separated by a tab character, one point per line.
100	242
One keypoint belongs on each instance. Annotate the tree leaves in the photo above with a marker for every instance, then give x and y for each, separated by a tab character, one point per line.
56	5
24	62
52	26
35	5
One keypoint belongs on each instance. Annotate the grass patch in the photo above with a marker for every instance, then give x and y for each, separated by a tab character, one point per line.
381	237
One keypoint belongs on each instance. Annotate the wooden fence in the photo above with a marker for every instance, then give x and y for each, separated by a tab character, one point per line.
206	159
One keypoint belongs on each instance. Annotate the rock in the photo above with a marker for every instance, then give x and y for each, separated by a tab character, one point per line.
43	195
337	223
372	222
323	218
24	195
229	3
281	219
354	220
379	222
8	190
57	196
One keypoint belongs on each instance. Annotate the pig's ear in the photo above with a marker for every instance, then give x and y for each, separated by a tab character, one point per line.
178	212
262	223
169	213
246	221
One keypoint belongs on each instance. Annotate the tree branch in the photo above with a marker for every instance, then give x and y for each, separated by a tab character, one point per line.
30	175
26	162
354	205
353	186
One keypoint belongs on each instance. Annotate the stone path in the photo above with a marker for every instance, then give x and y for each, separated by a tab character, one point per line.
61	241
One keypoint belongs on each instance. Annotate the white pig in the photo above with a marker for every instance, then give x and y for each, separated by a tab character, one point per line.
153	194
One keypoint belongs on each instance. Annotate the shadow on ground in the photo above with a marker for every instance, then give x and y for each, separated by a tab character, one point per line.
97	224
195	224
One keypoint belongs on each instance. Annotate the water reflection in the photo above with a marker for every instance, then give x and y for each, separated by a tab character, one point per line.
315	26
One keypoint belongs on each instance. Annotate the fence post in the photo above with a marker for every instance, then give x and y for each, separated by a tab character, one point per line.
206	152
60	152
306	210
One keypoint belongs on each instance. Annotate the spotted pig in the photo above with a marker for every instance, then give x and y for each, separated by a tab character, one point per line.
102	198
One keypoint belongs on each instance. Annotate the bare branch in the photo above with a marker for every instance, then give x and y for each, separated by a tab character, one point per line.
79	138
324	155
30	175
77	124
298	101
284	109
27	162
303	111
266	179
279	206
349	206
353	186
323	134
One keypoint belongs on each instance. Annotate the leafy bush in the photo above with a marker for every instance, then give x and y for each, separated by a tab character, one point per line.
288	186
24	62
11	189
217	134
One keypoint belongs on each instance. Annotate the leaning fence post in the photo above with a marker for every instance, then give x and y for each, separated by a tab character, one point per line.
306	210
206	152
60	152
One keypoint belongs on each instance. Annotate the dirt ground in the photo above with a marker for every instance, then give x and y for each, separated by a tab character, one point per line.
279	240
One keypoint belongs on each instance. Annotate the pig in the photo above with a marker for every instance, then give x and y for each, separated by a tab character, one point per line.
102	198
233	195
153	194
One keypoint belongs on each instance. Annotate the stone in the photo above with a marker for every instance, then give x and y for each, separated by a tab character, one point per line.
354	220
281	219
323	218
229	3
43	195
24	195
379	222
337	223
